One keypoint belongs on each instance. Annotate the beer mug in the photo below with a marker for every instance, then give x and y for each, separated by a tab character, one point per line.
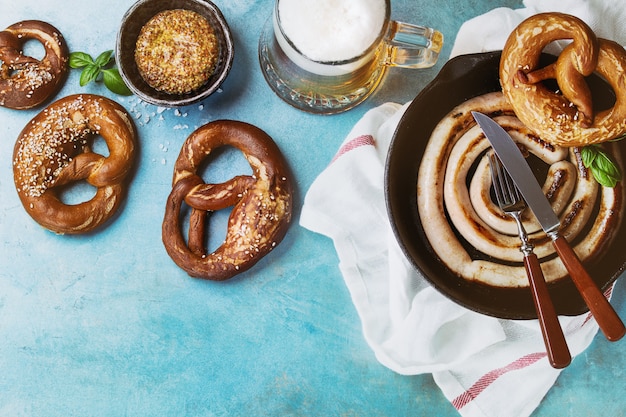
327	56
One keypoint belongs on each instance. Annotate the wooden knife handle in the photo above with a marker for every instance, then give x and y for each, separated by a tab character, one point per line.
606	317
556	346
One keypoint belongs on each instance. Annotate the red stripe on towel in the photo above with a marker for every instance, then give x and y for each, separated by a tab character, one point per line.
363	140
487	379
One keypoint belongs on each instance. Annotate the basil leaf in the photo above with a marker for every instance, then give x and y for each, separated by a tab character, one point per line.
92	70
604	162
604	178
114	82
89	74
104	58
602	167
80	60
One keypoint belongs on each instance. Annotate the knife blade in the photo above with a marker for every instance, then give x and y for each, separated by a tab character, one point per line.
523	177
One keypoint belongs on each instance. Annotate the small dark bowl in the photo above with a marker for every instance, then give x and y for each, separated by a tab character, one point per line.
132	22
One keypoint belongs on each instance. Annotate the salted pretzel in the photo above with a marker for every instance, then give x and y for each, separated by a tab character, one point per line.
261	202
54	150
26	82
566	118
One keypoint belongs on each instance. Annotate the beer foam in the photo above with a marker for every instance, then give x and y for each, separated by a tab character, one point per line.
332	30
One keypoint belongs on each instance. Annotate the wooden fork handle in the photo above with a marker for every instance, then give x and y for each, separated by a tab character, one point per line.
556	346
606	317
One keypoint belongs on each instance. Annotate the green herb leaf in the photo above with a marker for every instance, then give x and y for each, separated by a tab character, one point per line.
89	74
114	82
104	58
606	172
602	167
80	60
91	71
604	179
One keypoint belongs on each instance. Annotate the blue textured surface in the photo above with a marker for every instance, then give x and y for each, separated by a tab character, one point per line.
107	325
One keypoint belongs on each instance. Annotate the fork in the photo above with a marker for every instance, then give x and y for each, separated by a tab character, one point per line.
510	202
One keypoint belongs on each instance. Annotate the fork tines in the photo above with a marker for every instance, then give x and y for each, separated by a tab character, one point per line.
506	192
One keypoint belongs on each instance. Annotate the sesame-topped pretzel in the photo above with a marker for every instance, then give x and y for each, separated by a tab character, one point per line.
262	202
26	82
54	150
567	117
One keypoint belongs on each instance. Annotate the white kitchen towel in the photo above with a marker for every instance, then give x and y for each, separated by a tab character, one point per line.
476	360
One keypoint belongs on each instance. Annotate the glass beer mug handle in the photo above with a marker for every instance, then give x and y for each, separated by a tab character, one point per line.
412	46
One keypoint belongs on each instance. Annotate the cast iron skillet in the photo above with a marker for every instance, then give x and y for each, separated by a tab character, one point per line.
460	79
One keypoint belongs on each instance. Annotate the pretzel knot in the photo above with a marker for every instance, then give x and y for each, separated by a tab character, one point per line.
568	117
54	150
261	202
26	82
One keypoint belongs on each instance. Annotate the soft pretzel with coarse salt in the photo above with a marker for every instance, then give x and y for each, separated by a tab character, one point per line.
54	150
26	82
567	117
261	203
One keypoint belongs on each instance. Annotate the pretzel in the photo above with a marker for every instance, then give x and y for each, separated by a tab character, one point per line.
53	150
26	82
565	118
261	202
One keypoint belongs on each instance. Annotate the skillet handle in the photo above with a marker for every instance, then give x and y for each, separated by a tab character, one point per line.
606	317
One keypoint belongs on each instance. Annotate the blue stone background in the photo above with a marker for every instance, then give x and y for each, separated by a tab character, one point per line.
106	325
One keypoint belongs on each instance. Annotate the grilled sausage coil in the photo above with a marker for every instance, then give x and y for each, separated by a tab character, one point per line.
457	216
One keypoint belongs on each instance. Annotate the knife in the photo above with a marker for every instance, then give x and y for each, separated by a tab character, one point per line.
515	163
